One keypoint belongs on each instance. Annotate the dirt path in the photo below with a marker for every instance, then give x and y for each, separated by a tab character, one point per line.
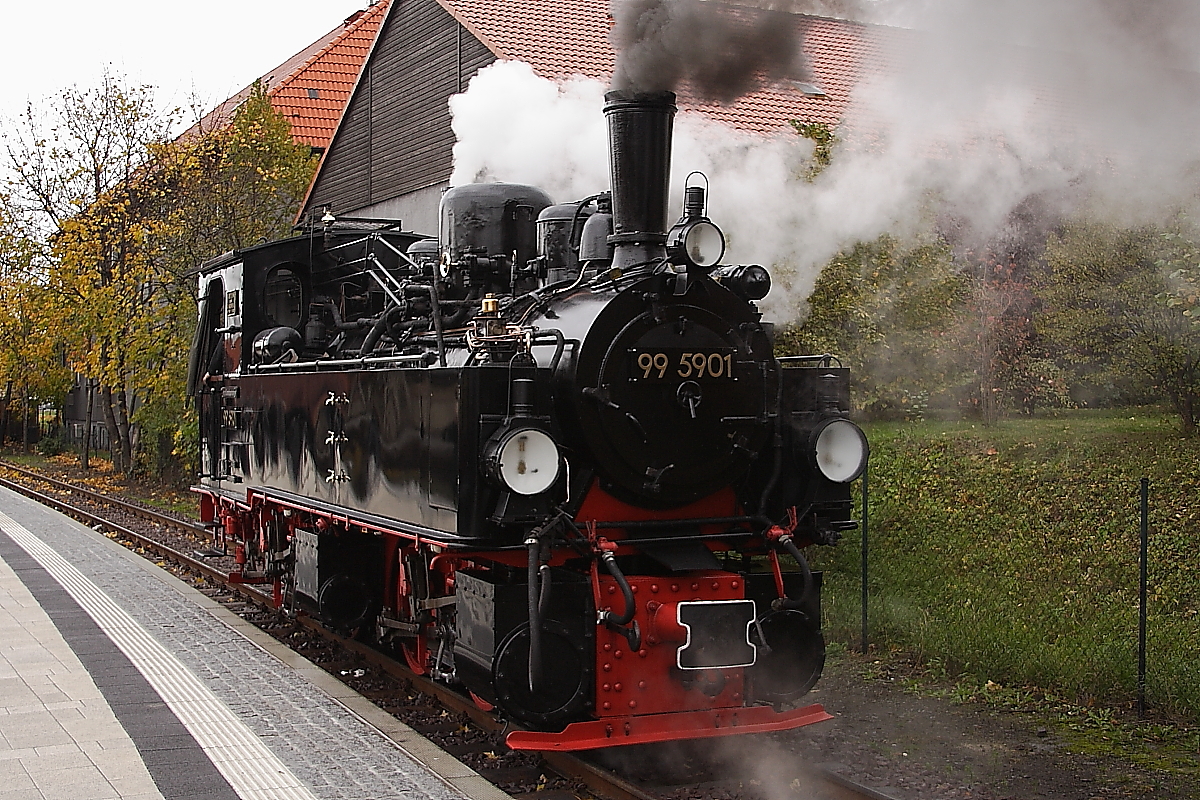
930	748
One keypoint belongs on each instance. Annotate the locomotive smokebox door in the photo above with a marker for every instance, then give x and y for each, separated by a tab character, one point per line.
673	404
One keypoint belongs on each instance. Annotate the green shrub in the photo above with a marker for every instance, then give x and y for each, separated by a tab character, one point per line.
54	444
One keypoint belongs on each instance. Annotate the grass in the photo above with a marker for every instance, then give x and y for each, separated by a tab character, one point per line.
1010	553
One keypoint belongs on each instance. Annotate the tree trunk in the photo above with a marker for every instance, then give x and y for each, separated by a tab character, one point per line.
110	425
25	424
1187	411
85	458
6	412
126	440
987	394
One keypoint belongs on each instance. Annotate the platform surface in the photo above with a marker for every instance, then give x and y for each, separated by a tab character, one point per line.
119	681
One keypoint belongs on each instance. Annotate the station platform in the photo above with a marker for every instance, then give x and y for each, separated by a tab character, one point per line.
117	680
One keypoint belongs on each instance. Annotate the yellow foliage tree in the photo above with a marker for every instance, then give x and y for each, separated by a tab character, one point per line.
120	213
32	367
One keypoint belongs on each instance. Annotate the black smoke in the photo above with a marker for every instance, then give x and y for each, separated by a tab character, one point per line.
722	51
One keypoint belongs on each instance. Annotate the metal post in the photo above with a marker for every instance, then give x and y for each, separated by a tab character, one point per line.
864	560
1142	597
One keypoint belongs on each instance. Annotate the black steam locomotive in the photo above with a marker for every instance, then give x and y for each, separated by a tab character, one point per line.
549	456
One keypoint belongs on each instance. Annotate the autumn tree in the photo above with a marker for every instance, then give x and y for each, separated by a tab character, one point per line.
222	189
79	170
32	367
120	212
888	309
933	319
240	184
1179	260
1110	319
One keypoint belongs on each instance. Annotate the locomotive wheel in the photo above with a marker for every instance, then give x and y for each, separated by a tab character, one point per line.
794	661
564	693
344	601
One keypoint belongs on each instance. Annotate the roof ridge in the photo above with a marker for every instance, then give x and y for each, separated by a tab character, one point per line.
355	23
345	109
475	30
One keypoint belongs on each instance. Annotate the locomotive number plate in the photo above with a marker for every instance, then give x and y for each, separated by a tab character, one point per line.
655	365
718	634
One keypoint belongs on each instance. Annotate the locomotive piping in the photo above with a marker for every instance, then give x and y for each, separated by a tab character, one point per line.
777	444
437	319
535	618
575	221
560	343
544	599
375	334
688	522
403	329
632	634
794	552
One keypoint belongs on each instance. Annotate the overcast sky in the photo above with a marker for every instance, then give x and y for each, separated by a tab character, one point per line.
210	48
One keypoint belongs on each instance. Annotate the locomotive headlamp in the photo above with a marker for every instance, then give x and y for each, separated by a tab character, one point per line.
694	240
840	450
524	460
698	243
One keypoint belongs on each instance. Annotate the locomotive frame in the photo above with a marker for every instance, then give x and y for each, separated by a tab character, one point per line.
549	456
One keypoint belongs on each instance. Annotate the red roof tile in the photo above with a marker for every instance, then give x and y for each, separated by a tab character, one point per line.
312	87
570	37
559	39
330	75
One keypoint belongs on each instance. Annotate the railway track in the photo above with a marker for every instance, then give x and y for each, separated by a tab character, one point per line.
818	784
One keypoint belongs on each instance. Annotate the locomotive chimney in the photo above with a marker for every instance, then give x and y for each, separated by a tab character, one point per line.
639	142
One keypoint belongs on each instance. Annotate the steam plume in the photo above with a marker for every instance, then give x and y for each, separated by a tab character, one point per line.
559	142
721	50
977	109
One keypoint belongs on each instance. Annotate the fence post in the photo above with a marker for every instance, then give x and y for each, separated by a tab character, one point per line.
1144	559
864	559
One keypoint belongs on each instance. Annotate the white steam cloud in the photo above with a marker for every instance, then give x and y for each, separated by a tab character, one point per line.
978	107
515	126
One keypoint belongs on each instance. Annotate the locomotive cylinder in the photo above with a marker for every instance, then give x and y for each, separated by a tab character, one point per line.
639	138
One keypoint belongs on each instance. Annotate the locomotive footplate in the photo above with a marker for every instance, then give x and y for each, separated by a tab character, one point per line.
667	727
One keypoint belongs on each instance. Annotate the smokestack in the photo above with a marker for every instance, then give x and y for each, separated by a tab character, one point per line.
639	143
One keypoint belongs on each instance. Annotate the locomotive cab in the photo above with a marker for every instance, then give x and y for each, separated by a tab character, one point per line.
213	366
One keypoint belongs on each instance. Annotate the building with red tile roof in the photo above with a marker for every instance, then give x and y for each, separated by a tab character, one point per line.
312	87
391	156
570	37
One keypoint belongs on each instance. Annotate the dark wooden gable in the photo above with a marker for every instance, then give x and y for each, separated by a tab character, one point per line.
395	136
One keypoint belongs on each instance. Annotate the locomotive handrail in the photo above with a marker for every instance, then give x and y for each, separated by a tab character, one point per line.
338	362
403	256
649	524
560	344
825	360
350	243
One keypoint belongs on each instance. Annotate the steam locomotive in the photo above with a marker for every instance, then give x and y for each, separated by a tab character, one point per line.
549	455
